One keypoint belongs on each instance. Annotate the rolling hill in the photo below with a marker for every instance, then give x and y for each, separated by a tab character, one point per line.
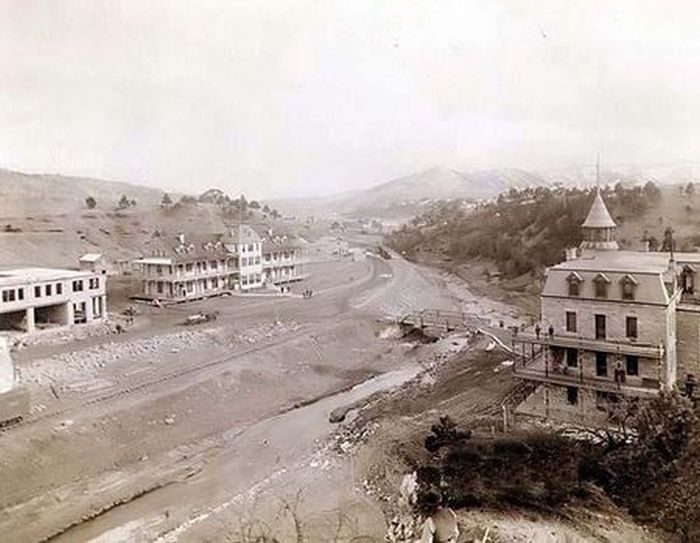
44	219
26	194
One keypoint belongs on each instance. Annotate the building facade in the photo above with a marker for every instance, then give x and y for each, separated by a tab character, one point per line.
283	258
38	298
614	324
183	267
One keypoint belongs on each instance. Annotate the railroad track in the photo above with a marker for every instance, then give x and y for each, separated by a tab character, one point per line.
130	384
127	386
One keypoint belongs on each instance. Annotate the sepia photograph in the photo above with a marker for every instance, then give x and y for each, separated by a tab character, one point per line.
349	271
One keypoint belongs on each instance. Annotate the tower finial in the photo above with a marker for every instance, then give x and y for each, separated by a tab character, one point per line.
597	173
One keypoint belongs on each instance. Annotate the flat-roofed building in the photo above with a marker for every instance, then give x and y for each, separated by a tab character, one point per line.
36	298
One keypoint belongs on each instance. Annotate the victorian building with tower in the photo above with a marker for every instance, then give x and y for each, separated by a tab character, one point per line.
614	324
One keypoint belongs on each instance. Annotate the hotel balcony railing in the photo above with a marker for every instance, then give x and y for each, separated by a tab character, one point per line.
628	347
186	275
541	369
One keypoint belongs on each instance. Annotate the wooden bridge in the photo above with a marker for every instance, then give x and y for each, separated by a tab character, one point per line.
444	320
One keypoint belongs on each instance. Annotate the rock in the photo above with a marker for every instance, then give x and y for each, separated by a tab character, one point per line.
169	420
338	414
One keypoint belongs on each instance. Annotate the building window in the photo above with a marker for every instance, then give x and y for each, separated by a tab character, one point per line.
688	279
48	290
572	395
94	282
37	291
570	321
574	281
572	358
8	295
600	327
59	288
601	286
20	294
77	286
632	365
601	364
629	285
631	327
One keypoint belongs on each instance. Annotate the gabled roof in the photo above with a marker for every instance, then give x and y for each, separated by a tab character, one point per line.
186	248
573	276
627	278
243	233
601	278
598	215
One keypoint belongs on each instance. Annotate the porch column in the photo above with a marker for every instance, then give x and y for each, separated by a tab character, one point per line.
31	323
88	309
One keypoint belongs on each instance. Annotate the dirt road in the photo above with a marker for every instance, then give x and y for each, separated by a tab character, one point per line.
192	444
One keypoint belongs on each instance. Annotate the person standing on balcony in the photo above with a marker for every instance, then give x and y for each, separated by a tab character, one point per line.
538	329
619	373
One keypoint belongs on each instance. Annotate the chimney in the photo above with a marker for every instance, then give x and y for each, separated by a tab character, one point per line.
181	238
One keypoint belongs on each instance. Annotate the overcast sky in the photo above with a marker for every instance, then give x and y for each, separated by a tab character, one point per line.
287	97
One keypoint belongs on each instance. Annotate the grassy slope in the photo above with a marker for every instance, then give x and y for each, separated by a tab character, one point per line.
55	226
522	237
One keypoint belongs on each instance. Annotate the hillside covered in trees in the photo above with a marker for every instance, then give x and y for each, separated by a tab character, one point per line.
523	231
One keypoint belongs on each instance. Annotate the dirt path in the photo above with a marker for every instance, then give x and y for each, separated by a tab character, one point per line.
197	446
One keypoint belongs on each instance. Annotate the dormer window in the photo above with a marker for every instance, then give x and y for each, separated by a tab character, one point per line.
601	283
574	280
628	285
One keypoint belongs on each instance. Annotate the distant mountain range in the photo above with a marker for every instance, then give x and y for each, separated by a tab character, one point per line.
405	196
24	194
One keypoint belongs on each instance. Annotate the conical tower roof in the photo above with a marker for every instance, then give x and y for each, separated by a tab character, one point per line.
598	215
